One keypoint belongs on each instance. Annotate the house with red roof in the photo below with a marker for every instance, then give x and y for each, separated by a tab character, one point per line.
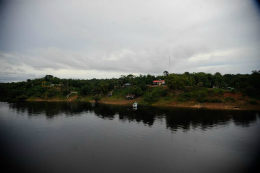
158	82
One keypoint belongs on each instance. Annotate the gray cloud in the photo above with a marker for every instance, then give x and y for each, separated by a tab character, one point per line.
86	39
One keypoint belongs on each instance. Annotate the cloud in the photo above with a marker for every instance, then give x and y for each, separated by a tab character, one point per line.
109	38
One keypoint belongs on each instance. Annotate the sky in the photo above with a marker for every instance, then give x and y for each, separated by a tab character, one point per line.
109	38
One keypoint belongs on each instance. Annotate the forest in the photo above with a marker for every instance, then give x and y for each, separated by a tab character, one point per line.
187	86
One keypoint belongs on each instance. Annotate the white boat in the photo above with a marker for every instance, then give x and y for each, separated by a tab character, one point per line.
135	105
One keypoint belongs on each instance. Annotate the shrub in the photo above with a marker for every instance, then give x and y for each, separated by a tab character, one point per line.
250	91
215	100
233	91
22	97
96	98
155	94
216	91
164	93
133	90
201	95
229	99
181	99
184	97
253	102
65	92
158	92
143	103
50	93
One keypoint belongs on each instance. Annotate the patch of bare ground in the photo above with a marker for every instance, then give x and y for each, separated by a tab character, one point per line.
233	95
119	101
73	98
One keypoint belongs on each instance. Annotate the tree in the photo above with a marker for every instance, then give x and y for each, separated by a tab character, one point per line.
86	89
142	86
165	73
96	98
149	79
103	86
48	77
176	81
218	79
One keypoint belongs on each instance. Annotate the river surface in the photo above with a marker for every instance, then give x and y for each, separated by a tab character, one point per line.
84	137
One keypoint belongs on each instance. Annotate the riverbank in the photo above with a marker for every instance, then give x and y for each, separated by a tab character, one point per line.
237	104
190	104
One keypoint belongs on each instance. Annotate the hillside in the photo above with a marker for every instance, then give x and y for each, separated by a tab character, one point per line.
192	98
198	90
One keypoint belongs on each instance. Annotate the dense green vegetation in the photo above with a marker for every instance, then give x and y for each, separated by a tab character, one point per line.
200	87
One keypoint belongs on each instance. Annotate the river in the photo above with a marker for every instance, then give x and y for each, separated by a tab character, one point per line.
84	137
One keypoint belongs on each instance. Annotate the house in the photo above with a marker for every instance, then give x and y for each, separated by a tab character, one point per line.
230	88
130	97
127	84
158	82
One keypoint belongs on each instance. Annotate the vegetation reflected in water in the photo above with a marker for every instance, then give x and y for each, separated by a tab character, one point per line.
178	118
86	137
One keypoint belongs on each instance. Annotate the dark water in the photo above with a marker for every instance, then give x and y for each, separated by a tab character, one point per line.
81	137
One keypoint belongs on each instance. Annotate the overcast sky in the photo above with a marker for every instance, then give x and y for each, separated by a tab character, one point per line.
108	38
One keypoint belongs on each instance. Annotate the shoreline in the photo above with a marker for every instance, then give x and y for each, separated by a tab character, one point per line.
189	104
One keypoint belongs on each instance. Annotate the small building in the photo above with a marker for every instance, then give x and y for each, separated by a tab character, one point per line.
230	88
130	97
158	82
127	84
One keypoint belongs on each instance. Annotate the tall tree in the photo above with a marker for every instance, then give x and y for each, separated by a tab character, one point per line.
165	73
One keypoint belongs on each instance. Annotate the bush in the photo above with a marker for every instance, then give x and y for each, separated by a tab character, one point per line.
181	99
96	98
159	92
164	93
155	94
65	92
133	90
184	97
201	95
143	103
250	91
215	100
253	102
142	86
229	99
50	93
22	97
217	91
233	91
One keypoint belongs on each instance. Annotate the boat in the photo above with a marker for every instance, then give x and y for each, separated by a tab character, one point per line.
135	105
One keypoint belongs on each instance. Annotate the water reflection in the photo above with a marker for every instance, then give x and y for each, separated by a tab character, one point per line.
185	119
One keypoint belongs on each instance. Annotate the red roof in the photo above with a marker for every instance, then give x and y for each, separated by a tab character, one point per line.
158	81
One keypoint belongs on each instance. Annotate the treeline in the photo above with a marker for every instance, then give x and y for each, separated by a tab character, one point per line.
50	86
246	83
